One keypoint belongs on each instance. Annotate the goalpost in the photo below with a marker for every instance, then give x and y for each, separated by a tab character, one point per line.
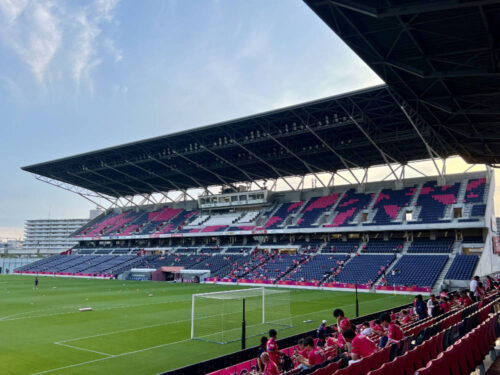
217	317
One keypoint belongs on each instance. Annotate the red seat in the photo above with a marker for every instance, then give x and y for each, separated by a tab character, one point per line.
384	370
408	362
451	356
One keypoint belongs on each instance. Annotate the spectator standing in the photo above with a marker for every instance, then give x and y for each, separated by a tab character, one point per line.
272	347
472	289
321	334
430	304
420	307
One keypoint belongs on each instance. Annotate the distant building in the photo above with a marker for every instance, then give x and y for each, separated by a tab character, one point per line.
49	236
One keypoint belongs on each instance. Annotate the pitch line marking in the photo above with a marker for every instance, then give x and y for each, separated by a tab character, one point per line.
152	347
86	350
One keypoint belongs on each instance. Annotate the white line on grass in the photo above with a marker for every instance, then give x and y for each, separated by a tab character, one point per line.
110	357
152	347
86	350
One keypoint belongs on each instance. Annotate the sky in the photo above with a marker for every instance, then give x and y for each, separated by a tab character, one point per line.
76	76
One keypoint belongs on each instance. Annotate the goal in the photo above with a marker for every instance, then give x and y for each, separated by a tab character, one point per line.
217	317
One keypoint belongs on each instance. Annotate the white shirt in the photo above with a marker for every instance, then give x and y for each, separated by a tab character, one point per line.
430	306
473	286
366	331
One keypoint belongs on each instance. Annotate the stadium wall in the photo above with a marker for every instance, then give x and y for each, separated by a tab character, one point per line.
489	263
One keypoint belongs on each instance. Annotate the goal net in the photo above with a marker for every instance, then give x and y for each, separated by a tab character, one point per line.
217	317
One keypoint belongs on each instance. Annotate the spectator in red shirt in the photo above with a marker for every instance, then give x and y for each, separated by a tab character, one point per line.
465	299
270	368
394	331
377	328
315	355
361	346
393	315
342	323
406	318
262	349
445	304
272	347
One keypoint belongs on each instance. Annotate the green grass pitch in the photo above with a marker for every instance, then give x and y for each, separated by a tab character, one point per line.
128	331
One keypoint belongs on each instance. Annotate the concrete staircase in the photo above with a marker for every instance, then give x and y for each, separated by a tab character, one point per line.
439	281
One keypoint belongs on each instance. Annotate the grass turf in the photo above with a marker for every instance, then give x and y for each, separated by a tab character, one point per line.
42	331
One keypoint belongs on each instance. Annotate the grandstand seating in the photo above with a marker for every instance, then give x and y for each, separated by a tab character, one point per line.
420	270
474	192
478	210
388	204
473	239
433	200
348	208
282	213
314	208
316	267
339	246
339	209
426	245
364	269
376	245
462	267
278	266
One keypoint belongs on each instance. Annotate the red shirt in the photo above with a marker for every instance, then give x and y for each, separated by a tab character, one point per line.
378	327
344	324
272	350
465	301
316	356
330	341
362	346
395	332
271	369
406	319
445	306
393	317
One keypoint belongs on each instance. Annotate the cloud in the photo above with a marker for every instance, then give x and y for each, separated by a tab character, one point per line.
33	32
58	36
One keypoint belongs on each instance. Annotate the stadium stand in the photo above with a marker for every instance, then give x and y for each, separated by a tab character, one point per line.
421	270
462	267
364	269
425	245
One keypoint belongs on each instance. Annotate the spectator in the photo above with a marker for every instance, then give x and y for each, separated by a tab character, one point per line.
473	286
321	334
361	346
270	367
444	293
465	299
366	330
272	347
394	332
262	349
430	304
343	323
315	356
420	307
393	315
405	319
445	305
480	292
377	327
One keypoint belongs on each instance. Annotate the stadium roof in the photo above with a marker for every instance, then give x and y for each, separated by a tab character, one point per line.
442	57
359	129
442	99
